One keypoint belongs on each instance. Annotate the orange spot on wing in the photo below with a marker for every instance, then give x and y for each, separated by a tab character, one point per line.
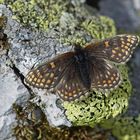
106	44
52	65
126	47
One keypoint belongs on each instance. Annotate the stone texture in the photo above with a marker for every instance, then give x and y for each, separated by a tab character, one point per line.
26	49
125	13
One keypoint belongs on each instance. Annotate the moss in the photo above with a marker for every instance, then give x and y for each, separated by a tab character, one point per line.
124	128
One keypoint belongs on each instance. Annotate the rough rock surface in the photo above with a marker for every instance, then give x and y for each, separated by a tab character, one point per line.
21	56
125	13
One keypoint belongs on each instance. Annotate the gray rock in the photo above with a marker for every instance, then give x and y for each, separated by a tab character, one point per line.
55	115
28	48
134	103
6	125
124	12
11	90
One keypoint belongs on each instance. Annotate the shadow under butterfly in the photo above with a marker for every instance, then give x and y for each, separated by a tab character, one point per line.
74	74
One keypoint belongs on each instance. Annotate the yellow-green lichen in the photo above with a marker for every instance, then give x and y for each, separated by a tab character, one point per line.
95	27
50	14
1	1
37	13
99	27
124	128
100	106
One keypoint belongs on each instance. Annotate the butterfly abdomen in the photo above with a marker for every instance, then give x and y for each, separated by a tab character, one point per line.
82	67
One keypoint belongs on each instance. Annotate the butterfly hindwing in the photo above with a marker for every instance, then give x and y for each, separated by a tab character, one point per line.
117	49
70	86
48	75
104	76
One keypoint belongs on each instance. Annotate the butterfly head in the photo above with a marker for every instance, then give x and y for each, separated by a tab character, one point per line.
77	48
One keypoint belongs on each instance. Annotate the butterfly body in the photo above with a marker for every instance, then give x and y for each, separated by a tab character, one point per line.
82	66
73	74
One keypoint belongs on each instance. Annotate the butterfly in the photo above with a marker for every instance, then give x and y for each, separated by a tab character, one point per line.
73	74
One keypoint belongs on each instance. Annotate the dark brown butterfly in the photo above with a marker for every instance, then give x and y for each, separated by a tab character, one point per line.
74	74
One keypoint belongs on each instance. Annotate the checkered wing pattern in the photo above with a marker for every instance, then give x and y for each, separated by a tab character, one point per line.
48	75
70	86
117	49
104	76
59	74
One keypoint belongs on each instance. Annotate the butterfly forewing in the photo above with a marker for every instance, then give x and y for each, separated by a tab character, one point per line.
49	74
117	49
